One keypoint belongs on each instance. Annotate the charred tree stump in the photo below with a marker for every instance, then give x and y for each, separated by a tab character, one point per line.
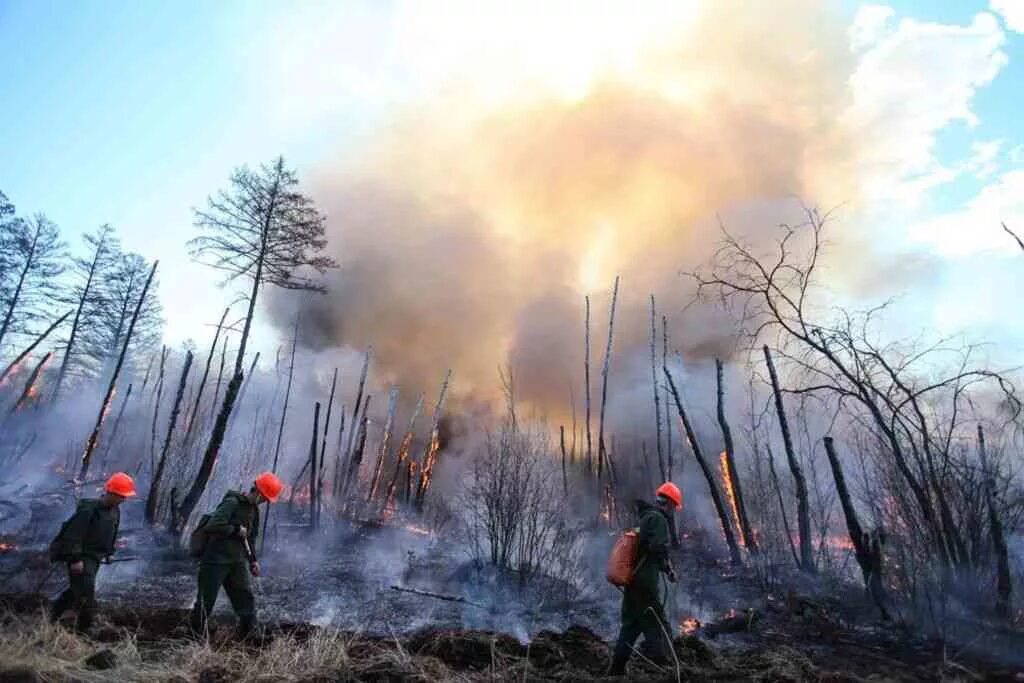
802	506
90	445
746	530
323	444
385	444
152	500
1004	583
356	414
356	460
716	495
601	451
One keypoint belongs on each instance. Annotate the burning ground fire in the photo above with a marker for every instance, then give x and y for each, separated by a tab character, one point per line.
689	626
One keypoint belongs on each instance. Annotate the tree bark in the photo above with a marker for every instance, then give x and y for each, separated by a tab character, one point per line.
154	488
709	475
357	453
105	405
668	420
802	507
159	392
323	445
354	433
747	532
782	506
602	454
32	347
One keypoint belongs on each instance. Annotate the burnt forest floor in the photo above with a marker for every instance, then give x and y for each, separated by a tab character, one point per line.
333	614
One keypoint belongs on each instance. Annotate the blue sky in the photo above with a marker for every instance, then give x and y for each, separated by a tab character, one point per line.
131	113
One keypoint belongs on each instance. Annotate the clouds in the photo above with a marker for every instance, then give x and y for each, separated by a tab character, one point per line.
1012	12
913	80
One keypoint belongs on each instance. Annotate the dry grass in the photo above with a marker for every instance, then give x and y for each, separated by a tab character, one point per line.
52	653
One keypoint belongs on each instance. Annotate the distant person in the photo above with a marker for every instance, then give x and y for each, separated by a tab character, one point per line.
226	557
643	608
84	541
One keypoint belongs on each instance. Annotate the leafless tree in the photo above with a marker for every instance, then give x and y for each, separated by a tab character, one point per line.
267	232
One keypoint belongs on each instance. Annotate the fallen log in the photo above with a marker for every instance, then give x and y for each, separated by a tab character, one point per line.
439	596
735	623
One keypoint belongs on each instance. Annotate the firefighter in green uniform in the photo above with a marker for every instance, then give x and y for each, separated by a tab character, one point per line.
228	558
88	537
643	611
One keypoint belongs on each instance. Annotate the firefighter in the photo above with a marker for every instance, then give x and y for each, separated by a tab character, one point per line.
643	609
230	531
84	541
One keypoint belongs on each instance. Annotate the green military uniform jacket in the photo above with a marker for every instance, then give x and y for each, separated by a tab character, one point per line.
91	533
225	545
643	591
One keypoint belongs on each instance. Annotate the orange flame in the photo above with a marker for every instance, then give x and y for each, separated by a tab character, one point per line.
689	626
723	463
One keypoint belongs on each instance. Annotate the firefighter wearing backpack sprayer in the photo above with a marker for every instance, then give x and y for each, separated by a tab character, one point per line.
84	541
643	610
226	557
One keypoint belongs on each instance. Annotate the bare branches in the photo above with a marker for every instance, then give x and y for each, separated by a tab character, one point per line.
1014	235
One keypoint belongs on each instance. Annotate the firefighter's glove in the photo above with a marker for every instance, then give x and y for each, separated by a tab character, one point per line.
242	531
254	568
77	567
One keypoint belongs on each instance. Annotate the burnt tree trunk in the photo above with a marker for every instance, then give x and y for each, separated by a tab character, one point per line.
190	418
403	454
356	414
113	430
782	505
586	382
602	454
747	532
90	445
430	455
313	469
287	398
657	394
668	419
802	506
357	453
33	377
385	444
709	475
154	488
159	393
323	444
32	347
1004	583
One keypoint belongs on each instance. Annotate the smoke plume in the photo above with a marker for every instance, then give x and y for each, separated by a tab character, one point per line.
470	226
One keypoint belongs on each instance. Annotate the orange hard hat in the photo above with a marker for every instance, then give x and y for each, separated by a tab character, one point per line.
120	484
269	485
672	492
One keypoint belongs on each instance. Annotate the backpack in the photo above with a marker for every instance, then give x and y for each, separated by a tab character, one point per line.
56	550
197	540
622	562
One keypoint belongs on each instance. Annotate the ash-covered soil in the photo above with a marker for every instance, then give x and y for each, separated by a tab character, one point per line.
493	626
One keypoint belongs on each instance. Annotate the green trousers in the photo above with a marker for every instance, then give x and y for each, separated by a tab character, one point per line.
235	580
642	614
79	596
